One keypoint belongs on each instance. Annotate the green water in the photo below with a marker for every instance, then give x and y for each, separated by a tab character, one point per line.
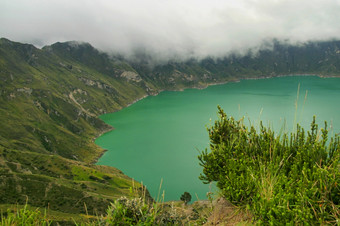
159	137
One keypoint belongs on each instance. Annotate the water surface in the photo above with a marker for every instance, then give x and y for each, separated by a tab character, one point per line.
159	137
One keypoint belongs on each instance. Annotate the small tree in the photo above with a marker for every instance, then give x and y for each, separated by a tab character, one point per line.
186	197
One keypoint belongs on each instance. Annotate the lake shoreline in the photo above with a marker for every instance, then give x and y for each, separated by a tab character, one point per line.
233	80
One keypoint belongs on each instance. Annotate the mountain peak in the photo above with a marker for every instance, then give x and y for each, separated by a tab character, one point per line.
70	46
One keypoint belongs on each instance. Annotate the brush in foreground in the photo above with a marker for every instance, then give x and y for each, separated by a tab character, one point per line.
281	179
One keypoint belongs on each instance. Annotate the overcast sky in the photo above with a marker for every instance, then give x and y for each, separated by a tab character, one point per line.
169	28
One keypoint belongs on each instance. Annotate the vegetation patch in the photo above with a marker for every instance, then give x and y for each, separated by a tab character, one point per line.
281	179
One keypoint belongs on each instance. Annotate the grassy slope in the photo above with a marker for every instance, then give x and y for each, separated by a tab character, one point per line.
61	184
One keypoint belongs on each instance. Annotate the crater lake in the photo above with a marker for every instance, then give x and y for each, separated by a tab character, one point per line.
159	137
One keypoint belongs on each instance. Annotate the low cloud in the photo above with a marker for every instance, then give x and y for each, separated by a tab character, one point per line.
169	29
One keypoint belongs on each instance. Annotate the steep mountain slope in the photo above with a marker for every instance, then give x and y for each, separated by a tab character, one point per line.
50	99
321	58
49	108
51	103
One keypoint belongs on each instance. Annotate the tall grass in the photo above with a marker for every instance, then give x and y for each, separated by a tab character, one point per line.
138	211
24	216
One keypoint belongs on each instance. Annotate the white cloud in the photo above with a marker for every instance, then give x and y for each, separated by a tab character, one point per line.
169	28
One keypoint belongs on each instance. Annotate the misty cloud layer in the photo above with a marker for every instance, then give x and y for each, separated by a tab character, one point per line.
169	29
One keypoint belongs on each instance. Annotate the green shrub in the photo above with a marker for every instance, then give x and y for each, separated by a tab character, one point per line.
129	212
281	179
136	211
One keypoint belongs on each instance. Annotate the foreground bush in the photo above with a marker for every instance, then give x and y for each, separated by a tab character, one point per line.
281	179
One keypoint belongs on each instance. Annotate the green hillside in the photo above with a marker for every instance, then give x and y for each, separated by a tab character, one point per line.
51	98
49	109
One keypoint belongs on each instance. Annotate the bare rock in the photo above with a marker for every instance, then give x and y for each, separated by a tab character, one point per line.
130	75
25	90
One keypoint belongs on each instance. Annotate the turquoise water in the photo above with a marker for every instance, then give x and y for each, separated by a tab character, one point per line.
159	137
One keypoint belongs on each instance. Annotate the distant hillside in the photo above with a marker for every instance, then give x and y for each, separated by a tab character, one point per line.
320	58
51	98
